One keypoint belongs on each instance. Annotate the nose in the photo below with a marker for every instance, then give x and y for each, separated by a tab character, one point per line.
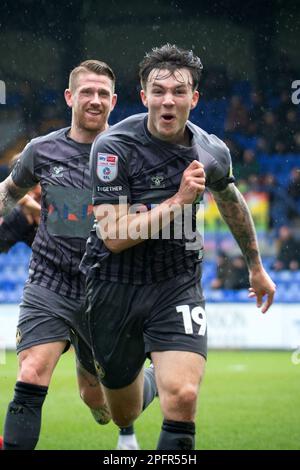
168	99
95	99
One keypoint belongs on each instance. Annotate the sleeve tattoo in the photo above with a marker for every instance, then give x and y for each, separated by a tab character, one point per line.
10	194
236	214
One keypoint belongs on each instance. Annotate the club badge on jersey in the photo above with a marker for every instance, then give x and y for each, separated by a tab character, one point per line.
107	167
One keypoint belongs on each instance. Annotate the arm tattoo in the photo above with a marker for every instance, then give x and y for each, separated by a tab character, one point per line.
236	214
9	196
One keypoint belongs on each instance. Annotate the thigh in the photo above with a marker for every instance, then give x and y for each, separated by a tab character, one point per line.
178	321
178	375
176	368
126	403
42	318
116	315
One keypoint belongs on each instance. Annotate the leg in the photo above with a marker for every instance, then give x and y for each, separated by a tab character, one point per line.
92	394
36	364
178	376
118	349
126	403
23	419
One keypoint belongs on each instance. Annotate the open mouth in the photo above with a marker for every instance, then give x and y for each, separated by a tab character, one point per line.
167	117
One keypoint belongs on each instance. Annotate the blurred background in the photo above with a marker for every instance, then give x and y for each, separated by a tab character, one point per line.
250	54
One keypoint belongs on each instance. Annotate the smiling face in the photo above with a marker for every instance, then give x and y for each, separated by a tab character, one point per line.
91	100
169	97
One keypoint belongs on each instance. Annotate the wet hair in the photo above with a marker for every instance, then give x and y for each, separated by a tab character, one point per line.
94	66
170	57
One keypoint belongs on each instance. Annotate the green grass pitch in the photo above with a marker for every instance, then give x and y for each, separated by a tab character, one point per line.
249	400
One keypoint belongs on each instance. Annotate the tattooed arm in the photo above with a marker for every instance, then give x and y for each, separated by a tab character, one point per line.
236	214
10	194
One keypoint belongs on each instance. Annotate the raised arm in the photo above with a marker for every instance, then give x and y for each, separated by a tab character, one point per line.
236	214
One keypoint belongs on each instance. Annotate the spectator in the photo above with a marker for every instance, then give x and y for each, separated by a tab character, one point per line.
237	117
231	273
294	193
223	268
269	131
290	130
288	251
277	208
257	107
249	165
238	275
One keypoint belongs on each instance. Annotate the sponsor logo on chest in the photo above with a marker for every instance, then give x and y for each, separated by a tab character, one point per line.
57	171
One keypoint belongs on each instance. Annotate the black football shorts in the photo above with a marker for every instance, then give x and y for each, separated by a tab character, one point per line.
46	317
127	322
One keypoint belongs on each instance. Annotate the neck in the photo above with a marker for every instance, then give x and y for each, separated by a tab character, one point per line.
184	139
83	136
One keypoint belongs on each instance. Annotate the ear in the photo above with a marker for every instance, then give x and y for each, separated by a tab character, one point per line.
114	101
68	97
195	99
144	98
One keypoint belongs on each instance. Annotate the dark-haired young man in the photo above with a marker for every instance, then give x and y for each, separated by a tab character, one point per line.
144	279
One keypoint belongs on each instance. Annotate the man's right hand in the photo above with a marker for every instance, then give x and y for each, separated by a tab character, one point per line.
192	183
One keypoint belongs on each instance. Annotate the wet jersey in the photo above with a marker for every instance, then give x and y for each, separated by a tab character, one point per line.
128	161
61	166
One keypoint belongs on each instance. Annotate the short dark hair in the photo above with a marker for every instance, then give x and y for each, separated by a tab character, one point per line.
170	57
95	66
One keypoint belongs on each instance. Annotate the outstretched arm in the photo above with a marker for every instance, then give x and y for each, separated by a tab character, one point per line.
236	214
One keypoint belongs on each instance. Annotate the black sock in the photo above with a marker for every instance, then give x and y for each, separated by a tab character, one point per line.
23	419
177	435
127	431
150	389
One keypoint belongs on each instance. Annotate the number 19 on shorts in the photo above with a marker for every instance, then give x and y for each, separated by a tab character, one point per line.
196	315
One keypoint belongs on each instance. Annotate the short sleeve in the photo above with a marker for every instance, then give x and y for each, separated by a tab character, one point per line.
23	174
109	174
220	174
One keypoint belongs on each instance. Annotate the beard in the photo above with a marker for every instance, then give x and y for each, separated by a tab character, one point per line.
92	124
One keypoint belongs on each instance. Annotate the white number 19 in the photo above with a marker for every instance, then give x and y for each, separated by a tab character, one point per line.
197	315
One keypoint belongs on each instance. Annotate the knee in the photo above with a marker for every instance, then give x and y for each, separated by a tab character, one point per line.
180	402
125	418
32	371
92	396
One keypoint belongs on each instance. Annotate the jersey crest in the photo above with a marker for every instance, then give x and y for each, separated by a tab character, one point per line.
107	167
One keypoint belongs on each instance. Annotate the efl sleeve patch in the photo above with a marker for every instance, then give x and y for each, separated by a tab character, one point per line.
107	167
